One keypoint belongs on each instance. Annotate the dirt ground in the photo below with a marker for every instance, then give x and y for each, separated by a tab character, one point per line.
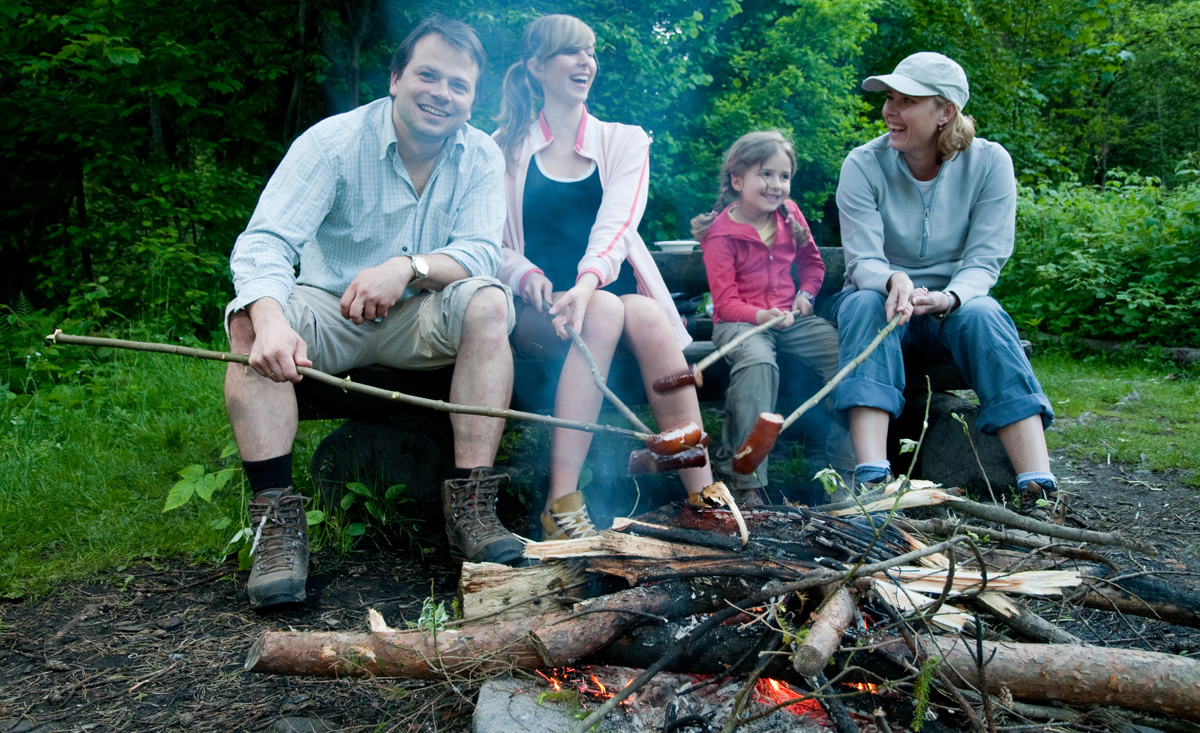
162	649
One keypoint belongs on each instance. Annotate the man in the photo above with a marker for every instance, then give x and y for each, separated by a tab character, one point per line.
394	213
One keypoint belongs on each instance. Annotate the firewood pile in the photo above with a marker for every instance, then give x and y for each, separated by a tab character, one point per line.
827	602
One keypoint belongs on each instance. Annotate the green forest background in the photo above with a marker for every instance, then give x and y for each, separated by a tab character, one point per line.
136	135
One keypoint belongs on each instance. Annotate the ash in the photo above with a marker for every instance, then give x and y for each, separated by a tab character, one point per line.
675	702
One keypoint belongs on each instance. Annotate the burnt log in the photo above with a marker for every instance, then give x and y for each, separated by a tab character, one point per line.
1140	595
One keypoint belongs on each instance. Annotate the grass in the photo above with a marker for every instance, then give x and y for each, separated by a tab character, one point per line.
1141	414
86	460
85	468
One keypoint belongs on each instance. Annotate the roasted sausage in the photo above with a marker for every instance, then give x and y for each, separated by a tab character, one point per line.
758	444
643	461
678	438
672	382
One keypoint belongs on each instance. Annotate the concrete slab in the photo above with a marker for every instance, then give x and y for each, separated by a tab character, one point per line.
508	705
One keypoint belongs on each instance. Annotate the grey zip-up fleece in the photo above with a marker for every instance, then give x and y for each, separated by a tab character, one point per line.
956	235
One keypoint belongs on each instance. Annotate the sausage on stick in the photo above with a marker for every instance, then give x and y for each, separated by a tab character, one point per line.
695	373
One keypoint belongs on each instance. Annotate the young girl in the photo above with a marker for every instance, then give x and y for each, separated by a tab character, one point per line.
750	240
576	189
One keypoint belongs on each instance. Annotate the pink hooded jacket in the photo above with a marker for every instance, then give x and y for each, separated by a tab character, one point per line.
746	276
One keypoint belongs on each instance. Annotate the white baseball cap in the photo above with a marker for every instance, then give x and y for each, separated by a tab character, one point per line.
925	74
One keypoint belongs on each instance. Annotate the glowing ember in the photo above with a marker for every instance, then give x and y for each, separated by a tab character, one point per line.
863	686
775	692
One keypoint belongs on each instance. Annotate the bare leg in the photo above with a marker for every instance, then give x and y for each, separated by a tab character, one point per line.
868	430
483	375
263	413
577	397
1026	444
657	350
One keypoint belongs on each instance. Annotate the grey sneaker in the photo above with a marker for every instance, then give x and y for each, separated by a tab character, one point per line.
1043	502
280	548
474	530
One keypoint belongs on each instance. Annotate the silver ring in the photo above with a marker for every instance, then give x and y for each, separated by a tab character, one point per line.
271	376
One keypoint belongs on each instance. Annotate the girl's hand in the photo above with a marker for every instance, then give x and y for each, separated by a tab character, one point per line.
899	300
572	305
537	291
763	316
803	304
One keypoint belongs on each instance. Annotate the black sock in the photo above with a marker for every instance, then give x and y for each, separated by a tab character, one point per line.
460	473
273	473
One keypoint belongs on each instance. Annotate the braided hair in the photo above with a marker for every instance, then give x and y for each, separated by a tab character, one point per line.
546	36
751	149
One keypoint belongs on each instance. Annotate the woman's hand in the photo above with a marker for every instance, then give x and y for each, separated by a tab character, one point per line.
765	315
537	291
572	305
927	303
899	300
803	304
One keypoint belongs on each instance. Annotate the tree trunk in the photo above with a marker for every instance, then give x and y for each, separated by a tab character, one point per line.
546	640
1163	684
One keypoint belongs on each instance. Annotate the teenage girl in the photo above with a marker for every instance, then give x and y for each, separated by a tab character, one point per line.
576	190
751	240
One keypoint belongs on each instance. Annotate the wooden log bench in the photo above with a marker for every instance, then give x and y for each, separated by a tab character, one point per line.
386	443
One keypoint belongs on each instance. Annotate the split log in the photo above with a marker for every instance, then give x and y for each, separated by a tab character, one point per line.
546	640
1163	684
492	591
829	623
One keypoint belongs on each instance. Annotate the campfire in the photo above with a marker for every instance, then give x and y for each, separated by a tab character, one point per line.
845	602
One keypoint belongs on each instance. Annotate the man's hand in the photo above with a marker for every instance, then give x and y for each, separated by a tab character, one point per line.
765	315
375	290
899	300
572	305
277	349
537	291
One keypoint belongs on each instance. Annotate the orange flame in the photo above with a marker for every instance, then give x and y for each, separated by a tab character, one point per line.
776	692
863	686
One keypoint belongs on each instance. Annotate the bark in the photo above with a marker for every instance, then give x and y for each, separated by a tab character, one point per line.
546	640
829	623
1162	684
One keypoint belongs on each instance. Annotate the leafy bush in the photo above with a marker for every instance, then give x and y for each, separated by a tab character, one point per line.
1115	262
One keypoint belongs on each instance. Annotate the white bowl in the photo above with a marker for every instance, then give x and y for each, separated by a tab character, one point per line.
677	245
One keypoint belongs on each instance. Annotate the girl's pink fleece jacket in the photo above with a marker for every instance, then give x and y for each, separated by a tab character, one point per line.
746	276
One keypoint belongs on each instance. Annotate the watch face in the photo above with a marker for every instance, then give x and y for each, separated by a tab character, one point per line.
420	268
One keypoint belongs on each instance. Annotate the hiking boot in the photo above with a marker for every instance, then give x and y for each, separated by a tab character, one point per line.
1042	502
567	519
280	548
474	531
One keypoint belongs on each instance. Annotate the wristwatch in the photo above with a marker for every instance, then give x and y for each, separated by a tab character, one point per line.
420	269
954	305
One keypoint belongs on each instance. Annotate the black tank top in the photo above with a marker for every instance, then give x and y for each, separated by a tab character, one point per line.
558	217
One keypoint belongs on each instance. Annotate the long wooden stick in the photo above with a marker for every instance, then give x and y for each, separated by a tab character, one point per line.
59	337
842	374
602	384
733	343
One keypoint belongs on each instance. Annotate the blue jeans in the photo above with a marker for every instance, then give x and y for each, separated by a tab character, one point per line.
979	337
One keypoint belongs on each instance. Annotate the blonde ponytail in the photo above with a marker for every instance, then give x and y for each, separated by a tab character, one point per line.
544	37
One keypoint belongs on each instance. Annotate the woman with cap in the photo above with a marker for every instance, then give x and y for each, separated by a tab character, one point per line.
928	215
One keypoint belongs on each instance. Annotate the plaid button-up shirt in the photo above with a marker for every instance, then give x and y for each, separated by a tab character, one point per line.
341	201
